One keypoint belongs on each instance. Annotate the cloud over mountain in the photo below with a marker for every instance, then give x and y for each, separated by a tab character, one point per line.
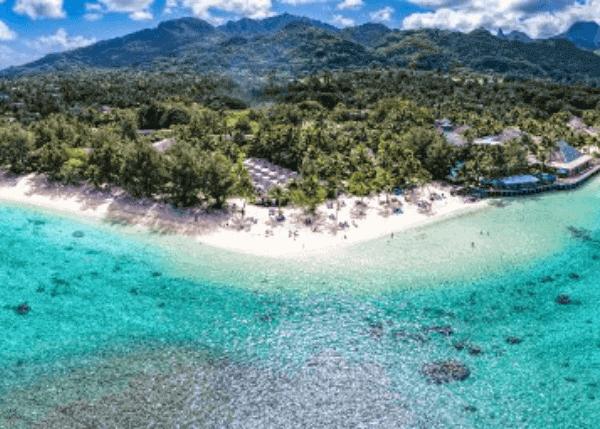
537	19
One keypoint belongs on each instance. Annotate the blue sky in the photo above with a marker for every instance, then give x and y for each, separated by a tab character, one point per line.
31	29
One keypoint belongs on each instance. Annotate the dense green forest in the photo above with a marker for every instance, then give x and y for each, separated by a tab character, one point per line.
357	131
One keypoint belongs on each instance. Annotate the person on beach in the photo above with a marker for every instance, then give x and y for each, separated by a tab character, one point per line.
392	235
472	244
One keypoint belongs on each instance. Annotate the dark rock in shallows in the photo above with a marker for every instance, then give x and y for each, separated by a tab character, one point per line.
58	281
376	330
460	345
78	234
23	308
475	350
513	340
470	408
403	335
444	330
574	275
445	372
563	299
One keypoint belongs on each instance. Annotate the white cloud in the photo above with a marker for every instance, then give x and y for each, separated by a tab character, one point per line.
344	22
536	18
35	9
137	9
92	6
298	2
350	4
141	15
382	14
254	9
92	16
9	57
58	42
6	33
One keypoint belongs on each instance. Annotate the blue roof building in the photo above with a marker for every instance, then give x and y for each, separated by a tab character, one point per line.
568	161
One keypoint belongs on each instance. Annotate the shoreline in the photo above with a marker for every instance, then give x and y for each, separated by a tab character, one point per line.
226	230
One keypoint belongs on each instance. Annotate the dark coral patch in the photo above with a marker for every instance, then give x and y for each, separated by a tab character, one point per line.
474	350
444	330
23	309
563	299
513	340
445	372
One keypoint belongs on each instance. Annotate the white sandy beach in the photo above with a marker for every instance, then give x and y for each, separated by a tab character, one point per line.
288	239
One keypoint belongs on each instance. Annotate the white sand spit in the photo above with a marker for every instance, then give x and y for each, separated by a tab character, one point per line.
225	229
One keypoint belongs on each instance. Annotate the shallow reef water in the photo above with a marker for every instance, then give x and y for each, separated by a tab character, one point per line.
423	330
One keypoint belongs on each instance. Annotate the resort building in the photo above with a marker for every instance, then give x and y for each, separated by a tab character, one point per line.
265	175
506	135
444	125
488	140
450	132
568	161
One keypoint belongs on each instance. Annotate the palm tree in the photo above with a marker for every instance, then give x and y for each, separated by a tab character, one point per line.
277	192
309	192
384	181
358	185
243	186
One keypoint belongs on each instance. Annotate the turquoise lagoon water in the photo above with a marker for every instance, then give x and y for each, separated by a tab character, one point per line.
111	290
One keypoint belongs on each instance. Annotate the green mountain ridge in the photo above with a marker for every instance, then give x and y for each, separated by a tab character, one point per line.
297	47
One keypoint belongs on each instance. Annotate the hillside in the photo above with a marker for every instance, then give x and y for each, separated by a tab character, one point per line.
290	47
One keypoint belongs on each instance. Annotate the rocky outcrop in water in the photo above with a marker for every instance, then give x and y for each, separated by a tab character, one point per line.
404	335
444	330
513	340
445	372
